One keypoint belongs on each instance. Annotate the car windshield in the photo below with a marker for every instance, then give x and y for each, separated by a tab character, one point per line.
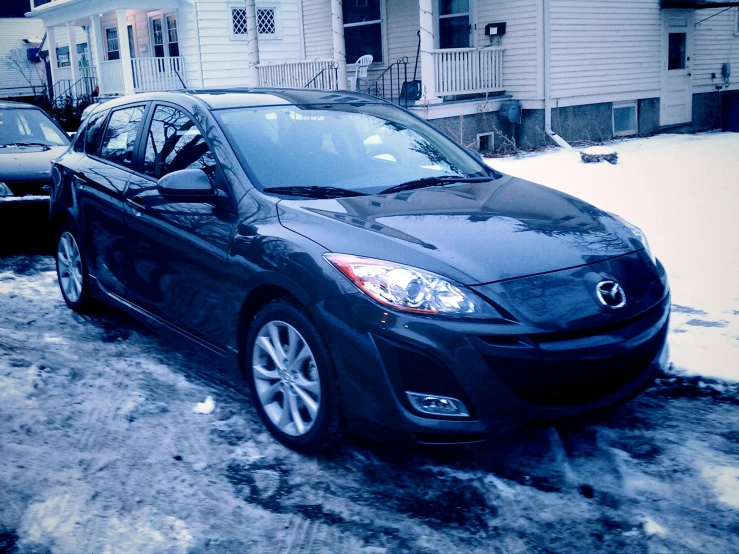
364	149
25	126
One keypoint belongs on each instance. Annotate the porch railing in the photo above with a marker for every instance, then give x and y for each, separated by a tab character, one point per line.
299	74
112	76
468	70
389	84
151	74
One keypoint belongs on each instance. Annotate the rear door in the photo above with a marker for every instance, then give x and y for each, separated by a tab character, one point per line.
676	104
177	265
99	181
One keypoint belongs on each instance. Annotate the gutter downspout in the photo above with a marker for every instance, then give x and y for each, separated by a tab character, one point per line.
548	80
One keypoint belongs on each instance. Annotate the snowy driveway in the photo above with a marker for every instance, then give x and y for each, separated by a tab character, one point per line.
101	452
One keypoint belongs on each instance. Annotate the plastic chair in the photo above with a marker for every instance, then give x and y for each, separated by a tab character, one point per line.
360	71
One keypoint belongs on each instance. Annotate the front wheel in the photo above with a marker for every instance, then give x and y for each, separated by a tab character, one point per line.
71	271
292	379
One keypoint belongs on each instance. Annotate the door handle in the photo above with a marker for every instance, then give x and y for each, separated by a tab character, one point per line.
80	179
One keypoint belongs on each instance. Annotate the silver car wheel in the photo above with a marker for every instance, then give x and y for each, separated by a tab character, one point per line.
286	378
69	262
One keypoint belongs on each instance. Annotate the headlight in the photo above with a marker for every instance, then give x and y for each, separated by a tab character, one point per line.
409	289
639	234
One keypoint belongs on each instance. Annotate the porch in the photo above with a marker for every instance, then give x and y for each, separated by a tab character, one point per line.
424	51
112	50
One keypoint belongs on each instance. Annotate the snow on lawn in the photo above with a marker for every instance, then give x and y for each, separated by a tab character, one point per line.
683	191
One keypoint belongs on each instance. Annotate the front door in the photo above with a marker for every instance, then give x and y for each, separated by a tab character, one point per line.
676	104
177	251
454	22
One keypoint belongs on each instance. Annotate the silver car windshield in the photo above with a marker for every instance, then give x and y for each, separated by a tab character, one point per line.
29	126
362	148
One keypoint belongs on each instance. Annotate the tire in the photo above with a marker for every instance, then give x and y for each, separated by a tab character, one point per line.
71	270
294	390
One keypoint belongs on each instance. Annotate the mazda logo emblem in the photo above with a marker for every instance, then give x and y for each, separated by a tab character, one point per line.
611	294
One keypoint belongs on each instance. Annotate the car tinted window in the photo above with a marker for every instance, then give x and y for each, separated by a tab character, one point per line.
93	132
120	135
173	143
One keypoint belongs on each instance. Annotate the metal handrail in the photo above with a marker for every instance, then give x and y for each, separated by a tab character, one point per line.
88	80
374	87
334	68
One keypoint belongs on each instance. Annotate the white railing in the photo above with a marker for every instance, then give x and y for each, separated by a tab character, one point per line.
112	76
314	74
468	70
150	74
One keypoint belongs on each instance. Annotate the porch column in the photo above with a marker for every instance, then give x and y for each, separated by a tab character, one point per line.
337	27
74	63
428	44
125	50
53	61
96	53
252	43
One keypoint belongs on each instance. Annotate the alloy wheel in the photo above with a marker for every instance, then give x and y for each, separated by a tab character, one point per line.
286	378
69	261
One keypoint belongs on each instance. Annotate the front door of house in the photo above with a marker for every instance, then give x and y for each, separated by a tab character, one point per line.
676	104
455	24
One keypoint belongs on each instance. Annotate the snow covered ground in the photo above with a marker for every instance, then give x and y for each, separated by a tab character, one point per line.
683	191
109	442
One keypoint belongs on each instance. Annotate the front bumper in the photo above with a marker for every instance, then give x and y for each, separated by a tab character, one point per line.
508	376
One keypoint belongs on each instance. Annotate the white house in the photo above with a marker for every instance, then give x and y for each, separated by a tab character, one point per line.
579	69
20	77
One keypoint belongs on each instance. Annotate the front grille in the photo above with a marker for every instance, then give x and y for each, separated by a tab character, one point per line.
561	382
25	188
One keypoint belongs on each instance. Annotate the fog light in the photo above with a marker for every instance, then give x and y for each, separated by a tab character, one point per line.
437	405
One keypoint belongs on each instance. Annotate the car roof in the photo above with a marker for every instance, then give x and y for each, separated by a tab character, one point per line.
219	99
11	104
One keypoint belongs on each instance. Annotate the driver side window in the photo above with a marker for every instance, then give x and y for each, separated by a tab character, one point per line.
174	142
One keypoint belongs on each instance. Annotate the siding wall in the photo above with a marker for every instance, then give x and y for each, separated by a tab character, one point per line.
522	41
225	58
12	33
716	43
317	30
603	47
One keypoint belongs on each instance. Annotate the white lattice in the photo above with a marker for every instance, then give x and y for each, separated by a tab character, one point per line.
238	18
266	21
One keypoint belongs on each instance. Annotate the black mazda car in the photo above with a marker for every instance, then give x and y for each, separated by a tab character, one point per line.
360	269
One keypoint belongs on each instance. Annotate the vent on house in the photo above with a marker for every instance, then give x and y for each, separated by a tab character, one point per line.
238	20
485	142
625	119
266	24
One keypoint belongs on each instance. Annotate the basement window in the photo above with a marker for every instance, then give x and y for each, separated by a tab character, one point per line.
625	119
485	142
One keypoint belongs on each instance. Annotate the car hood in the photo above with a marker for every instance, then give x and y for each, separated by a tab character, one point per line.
28	163
474	233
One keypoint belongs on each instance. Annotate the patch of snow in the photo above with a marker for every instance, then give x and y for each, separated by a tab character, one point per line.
205	407
682	191
598	150
725	480
651	527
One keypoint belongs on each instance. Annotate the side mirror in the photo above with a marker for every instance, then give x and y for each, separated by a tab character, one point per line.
187	185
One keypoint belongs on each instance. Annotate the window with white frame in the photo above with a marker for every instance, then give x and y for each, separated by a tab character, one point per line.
736	23
111	43
173	42
266	22
625	119
363	29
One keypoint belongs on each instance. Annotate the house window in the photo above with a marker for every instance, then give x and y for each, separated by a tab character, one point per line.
62	56
157	35
173	43
625	119
238	21
454	23
111	42
677	48
736	23
485	142
266	22
362	29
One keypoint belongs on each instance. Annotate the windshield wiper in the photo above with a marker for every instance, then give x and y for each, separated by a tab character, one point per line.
434	181
314	192
24	144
